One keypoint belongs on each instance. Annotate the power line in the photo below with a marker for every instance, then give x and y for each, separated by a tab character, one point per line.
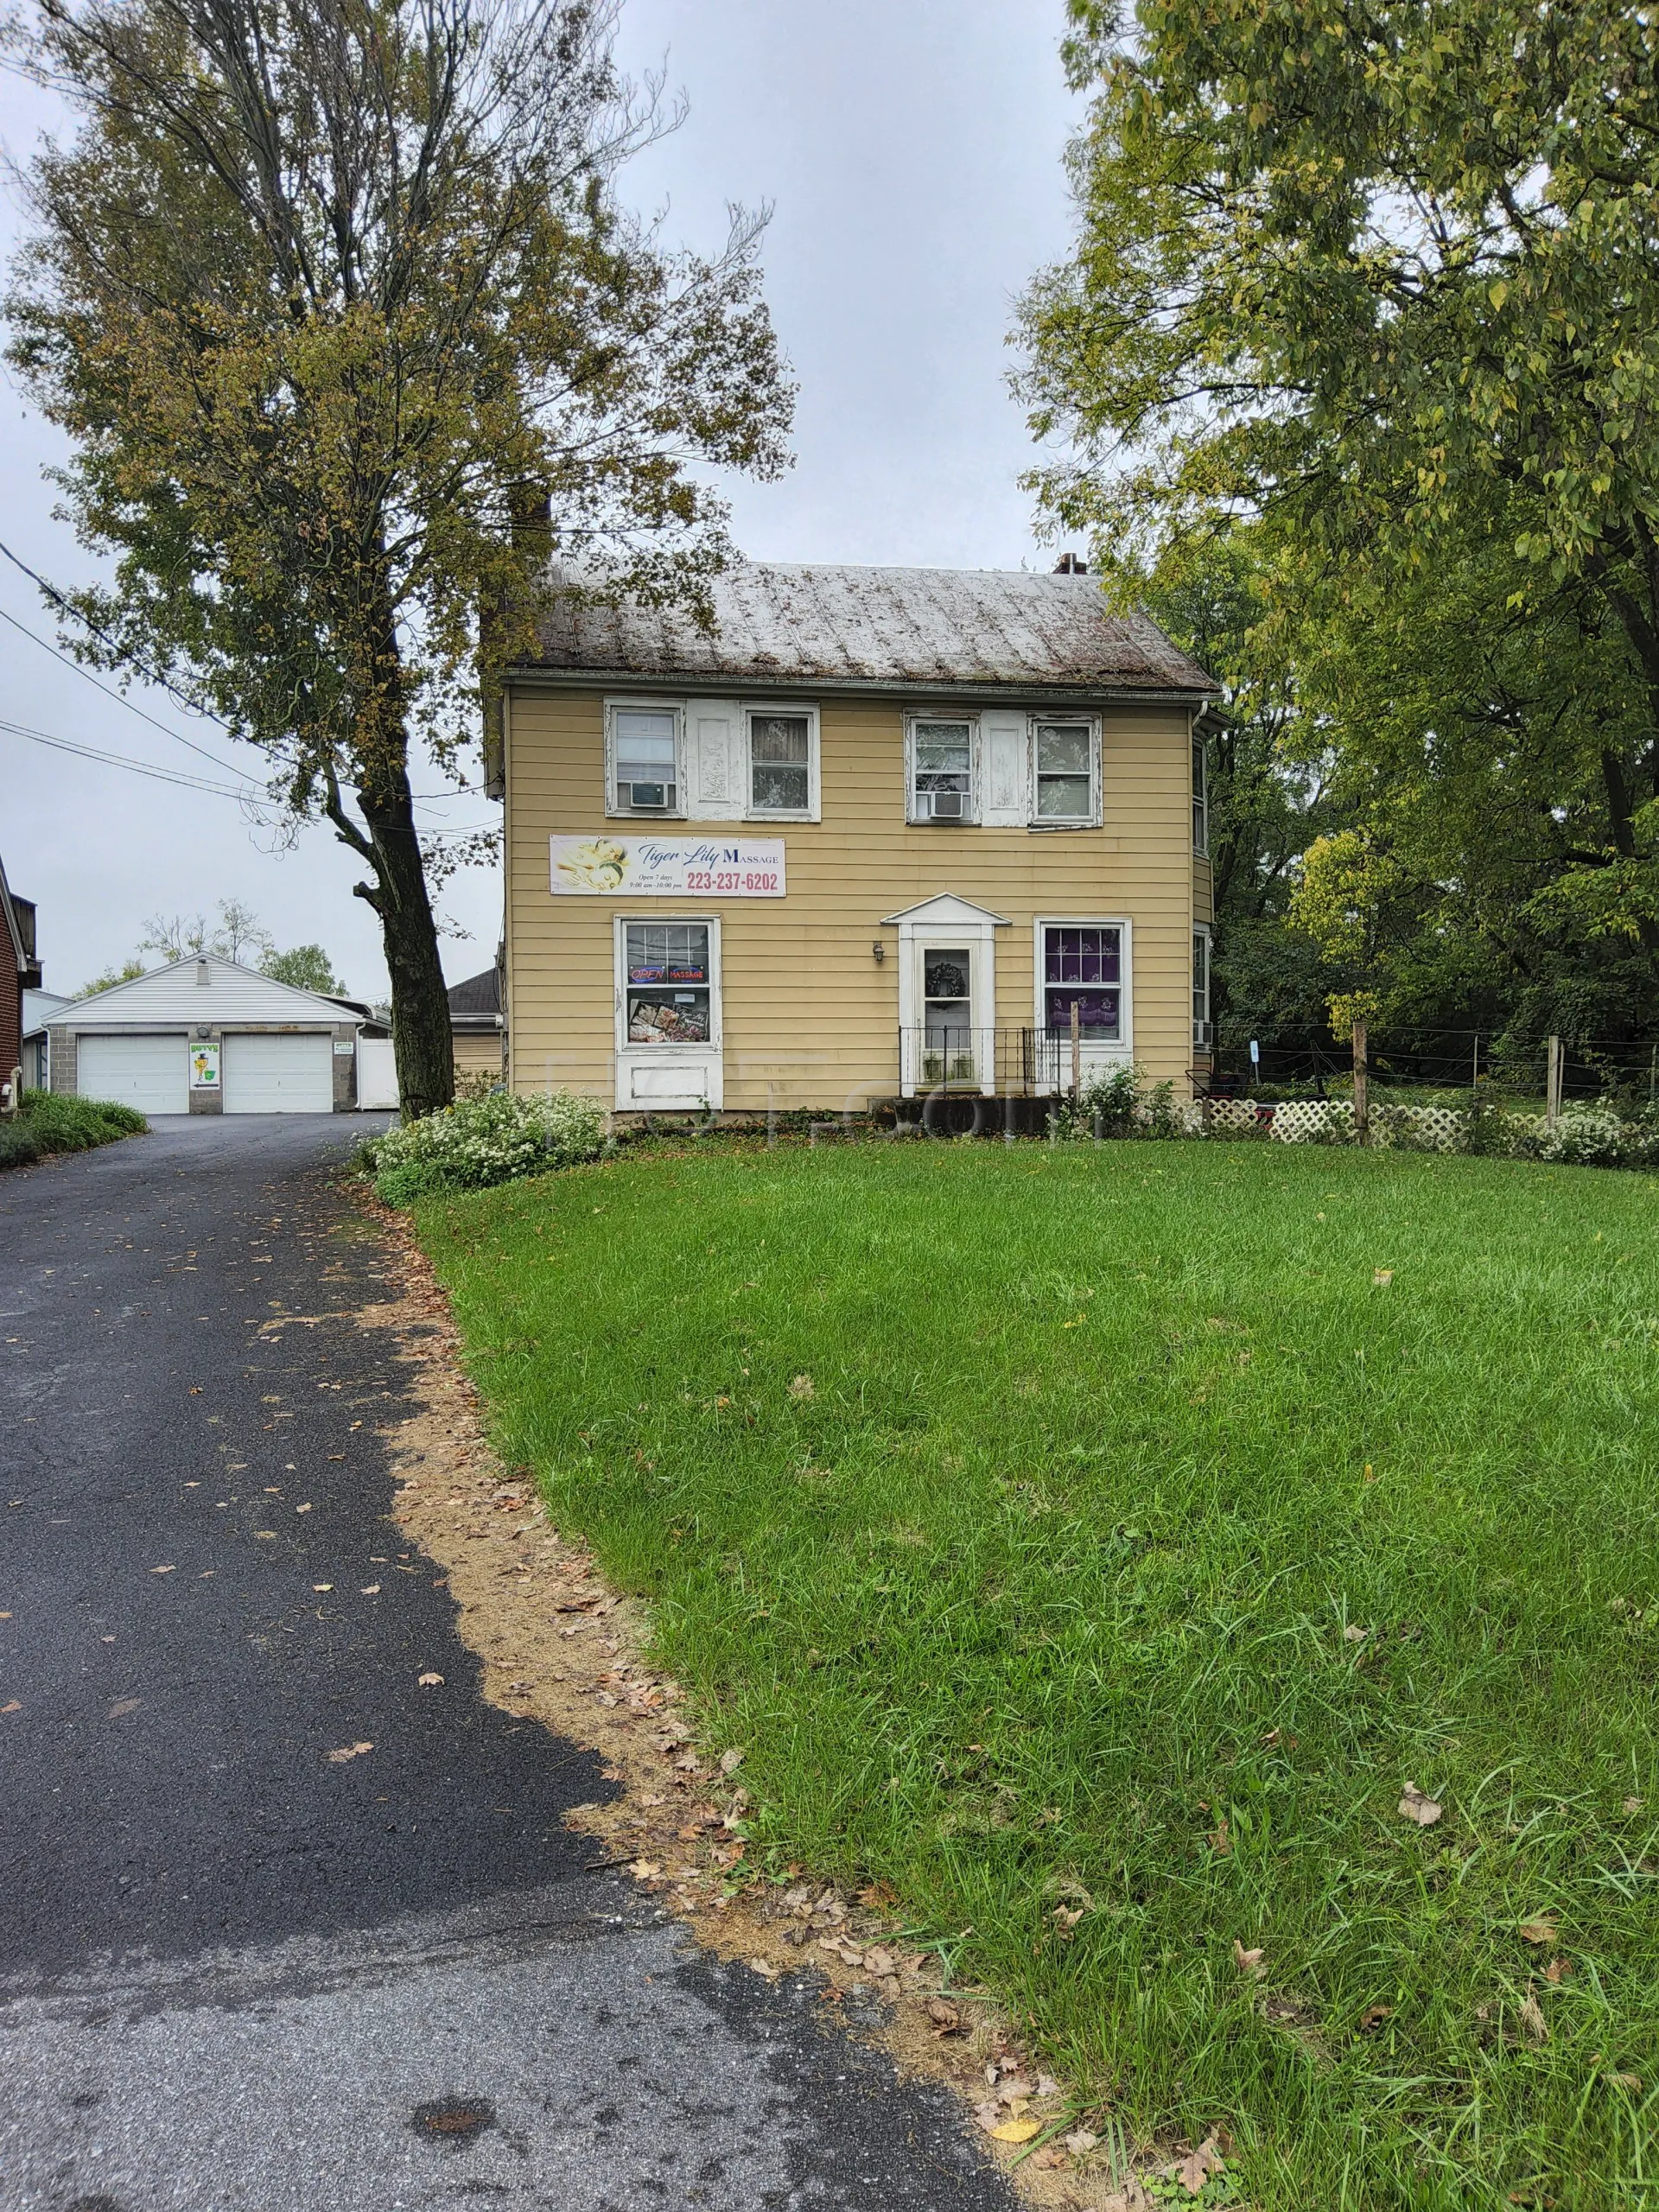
120	697
134	767
61	600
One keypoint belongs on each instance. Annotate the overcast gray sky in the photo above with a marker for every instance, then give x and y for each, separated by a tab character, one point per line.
911	150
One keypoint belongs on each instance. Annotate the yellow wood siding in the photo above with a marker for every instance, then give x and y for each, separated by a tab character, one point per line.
810	1017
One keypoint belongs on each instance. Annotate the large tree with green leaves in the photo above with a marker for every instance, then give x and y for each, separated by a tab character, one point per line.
1384	279
337	304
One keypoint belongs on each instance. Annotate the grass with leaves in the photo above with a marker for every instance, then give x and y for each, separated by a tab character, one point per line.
1094	1542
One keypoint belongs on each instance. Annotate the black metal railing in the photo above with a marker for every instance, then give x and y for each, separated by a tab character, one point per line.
997	1061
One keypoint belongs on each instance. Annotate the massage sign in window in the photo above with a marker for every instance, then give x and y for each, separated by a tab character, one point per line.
1084	965
669	980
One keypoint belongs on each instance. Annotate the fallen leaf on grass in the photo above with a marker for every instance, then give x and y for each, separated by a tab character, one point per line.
1354	1634
349	1752
1249	1962
1016	2130
801	1387
430	1681
1373	2016
730	1762
767	1969
1541	1931
1533	2025
947	2021
1558	1970
1414	1806
1384	1275
1080	2141
1197	2167
645	1870
1632	1805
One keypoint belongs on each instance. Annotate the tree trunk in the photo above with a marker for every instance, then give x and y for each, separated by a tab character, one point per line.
421	1041
421	1044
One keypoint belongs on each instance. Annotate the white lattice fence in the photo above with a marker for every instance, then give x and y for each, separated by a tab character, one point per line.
1314	1121
1425	1129
1229	1117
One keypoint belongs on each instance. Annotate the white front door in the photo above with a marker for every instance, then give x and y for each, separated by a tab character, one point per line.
277	1074
668	1014
151	1073
947	1007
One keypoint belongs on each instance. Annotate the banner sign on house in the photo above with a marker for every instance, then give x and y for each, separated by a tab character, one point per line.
204	1064
669	867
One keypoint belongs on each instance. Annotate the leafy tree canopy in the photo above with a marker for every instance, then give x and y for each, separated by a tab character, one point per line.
351	336
306	967
1380	284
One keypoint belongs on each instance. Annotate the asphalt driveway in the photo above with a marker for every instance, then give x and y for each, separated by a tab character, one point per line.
237	1974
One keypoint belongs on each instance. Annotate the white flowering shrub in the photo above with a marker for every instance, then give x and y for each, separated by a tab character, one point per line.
1584	1136
477	1141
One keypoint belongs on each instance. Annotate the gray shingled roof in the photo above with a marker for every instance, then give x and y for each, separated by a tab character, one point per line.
783	622
477	1001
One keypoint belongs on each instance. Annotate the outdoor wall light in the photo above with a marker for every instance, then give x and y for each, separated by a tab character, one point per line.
878	952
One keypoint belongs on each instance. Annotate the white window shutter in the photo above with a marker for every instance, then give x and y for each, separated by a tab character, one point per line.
714	761
1006	770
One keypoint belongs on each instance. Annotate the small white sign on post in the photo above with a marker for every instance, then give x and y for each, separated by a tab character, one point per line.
667	867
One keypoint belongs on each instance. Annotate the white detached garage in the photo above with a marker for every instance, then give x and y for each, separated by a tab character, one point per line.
207	1036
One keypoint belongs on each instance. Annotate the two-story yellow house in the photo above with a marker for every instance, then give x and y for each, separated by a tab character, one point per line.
880	830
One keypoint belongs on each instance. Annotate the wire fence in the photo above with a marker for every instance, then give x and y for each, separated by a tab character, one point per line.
1449	1064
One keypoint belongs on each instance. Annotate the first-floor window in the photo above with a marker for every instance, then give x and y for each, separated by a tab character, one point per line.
669	982
1200	986
780	764
1083	965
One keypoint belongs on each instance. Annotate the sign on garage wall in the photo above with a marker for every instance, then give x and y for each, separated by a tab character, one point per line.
204	1064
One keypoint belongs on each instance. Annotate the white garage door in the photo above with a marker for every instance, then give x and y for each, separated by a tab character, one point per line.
150	1073
278	1075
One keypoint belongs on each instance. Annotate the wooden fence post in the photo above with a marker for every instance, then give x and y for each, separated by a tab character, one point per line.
1361	1094
1555	1080
1077	1052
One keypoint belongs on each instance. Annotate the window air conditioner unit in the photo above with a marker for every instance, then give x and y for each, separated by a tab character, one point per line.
1204	1033
946	806
655	796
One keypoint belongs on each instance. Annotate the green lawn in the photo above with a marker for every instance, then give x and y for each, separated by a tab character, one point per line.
1050	1594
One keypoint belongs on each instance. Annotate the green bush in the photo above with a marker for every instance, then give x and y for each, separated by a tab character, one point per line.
18	1145
65	1123
53	1120
477	1141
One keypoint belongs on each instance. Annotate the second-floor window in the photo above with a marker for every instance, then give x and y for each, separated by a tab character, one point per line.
781	764
1200	800
644	747
942	771
1062	756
